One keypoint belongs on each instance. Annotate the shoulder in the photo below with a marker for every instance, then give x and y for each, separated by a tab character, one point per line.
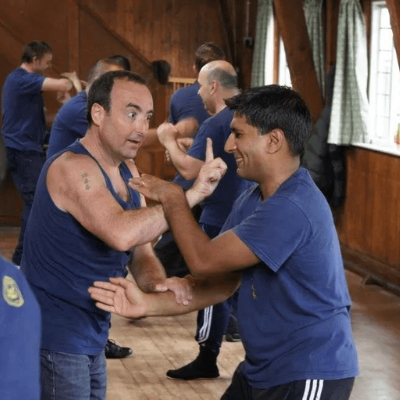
70	169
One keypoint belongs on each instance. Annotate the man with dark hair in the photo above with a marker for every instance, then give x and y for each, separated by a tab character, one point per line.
217	82
71	124
84	224
280	245
23	123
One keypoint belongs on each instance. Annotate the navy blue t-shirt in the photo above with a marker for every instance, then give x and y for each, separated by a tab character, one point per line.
23	122
216	208
20	324
294	306
62	260
186	103
69	125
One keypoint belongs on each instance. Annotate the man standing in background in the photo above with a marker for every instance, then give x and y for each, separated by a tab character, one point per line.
24	125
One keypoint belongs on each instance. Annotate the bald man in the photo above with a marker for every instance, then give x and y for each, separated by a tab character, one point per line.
71	123
217	82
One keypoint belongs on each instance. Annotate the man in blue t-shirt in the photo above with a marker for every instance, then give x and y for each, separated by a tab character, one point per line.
23	123
279	245
19	336
217	82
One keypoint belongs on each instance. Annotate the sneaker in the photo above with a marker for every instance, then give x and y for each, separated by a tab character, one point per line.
114	351
203	367
233	337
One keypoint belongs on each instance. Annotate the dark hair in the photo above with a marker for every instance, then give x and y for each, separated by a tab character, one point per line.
100	91
161	70
274	106
37	49
122	61
227	80
99	69
206	53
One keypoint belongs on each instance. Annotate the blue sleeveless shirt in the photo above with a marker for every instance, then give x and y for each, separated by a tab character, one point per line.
61	260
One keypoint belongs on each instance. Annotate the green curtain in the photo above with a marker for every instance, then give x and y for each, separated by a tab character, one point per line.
313	13
264	13
350	108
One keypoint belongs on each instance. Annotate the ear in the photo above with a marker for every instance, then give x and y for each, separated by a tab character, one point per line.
35	60
98	113
213	86
275	140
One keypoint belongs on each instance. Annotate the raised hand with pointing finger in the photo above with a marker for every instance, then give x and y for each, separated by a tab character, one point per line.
210	174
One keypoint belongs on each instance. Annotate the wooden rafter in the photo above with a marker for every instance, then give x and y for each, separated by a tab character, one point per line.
293	29
104	24
394	10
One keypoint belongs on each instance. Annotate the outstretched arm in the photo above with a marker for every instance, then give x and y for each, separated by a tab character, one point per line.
123	297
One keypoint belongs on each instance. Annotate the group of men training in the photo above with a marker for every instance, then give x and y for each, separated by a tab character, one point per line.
265	231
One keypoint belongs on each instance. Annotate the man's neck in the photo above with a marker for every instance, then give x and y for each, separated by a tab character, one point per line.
275	177
221	101
27	67
97	151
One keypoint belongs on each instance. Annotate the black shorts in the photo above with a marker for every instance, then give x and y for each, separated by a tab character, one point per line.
310	389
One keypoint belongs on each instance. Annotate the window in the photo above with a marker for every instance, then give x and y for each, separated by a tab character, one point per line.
284	73
384	84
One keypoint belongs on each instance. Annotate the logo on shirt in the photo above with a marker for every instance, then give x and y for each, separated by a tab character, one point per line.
11	293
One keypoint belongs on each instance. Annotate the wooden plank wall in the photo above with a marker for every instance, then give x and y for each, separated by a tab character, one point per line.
83	31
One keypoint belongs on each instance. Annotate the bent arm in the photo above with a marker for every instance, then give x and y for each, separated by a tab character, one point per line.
146	268
77	186
204	257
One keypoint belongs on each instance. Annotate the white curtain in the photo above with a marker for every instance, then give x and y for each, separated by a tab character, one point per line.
264	13
349	118
313	12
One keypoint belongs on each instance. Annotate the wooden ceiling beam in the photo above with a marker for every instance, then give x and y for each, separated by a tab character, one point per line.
292	26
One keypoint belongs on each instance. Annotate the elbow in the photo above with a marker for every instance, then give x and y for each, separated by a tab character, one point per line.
187	174
118	243
201	269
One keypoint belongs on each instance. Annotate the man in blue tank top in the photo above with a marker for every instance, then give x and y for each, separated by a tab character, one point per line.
280	246
71	124
217	82
84	224
23	123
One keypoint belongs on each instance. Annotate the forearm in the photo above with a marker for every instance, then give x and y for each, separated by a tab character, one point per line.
147	269
192	241
186	165
206	292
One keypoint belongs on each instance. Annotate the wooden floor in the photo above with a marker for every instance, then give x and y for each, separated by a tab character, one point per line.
160	344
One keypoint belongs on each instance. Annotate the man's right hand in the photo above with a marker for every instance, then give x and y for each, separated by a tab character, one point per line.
166	133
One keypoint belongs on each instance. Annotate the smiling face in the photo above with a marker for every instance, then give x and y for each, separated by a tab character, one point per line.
124	128
248	147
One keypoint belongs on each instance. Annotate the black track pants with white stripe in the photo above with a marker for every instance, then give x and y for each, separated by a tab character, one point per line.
310	389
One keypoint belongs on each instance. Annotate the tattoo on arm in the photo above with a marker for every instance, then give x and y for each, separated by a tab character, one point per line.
85	180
